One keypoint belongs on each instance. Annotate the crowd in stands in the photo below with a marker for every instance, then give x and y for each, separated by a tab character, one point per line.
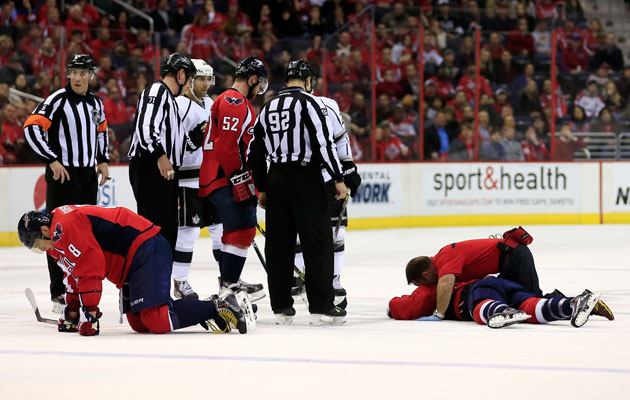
334	36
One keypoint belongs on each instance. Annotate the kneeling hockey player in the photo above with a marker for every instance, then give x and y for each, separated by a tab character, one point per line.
92	243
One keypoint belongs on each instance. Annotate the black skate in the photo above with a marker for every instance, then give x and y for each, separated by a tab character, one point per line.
234	311
507	317
298	291
582	306
183	290
335	316
254	290
340	298
284	317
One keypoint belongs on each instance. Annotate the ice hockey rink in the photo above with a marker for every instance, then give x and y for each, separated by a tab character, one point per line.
370	357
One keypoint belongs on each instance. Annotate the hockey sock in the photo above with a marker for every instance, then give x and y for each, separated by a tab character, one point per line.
232	263
183	254
191	312
216	231
218	255
546	310
340	251
486	309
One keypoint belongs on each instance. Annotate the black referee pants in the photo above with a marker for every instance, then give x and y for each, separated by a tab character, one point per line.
82	188
156	197
297	203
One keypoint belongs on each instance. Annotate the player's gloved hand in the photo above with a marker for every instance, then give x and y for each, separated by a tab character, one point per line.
66	324
351	177
431	318
195	137
242	185
88	324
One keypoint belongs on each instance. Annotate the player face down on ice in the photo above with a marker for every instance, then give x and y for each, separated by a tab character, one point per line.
91	243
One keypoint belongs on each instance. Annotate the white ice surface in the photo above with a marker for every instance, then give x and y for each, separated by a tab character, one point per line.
370	357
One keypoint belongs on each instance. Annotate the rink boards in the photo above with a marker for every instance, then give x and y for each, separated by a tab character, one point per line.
412	195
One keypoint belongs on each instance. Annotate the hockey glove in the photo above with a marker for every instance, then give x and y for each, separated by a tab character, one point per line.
194	140
88	324
350	177
242	185
431	318
67	325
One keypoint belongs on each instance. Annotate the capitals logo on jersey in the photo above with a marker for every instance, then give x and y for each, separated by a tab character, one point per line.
233	100
58	232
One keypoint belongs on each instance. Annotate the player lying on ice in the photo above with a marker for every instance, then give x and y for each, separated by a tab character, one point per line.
470	260
494	302
92	243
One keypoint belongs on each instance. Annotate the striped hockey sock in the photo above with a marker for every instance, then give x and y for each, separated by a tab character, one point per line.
546	310
486	309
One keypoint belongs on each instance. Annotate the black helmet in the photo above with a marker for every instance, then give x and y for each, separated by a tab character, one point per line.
175	62
82	61
29	227
252	66
299	69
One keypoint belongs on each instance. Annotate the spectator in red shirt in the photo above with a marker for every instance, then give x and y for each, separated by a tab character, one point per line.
386	64
565	32
575	58
494	46
519	41
462	147
76	21
390	87
468	83
235	19
46	58
199	38
342	70
388	147
102	45
545	99
443	85
458	104
12	135
345	95
31	43
592	36
534	149
567	144
115	108
6	49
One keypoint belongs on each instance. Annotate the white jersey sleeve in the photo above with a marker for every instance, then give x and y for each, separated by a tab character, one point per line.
340	134
192	114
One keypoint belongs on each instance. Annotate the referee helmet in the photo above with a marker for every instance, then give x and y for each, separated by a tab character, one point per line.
30	224
176	61
82	61
299	69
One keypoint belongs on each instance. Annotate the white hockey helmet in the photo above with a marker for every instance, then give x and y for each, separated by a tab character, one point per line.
203	69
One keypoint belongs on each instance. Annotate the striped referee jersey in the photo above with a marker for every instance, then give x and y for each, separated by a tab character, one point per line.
69	128
158	127
293	128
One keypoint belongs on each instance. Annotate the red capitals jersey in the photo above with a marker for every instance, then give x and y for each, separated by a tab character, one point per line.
225	144
422	302
91	243
468	260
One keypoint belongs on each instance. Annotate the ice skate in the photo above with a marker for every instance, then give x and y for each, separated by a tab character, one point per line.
254	290
507	317
183	290
582	306
284	317
218	324
336	316
601	309
58	304
340	294
229	308
298	291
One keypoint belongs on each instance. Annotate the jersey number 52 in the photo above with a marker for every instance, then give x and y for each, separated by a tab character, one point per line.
229	124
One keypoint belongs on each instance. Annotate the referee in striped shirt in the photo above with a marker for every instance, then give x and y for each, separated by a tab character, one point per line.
158	145
69	132
292	134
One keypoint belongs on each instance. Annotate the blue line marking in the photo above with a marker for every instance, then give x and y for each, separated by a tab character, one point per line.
552	368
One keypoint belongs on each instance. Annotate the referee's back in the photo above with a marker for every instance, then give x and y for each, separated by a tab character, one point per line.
293	128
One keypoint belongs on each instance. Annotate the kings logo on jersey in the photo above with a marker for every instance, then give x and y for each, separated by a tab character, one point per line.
233	100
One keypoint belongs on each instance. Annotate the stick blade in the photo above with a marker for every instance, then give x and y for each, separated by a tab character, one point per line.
31	299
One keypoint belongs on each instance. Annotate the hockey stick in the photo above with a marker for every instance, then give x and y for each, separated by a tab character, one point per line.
295	269
259	254
31	299
340	217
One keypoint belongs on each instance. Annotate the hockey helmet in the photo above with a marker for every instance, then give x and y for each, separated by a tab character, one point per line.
203	69
299	69
82	61
252	66
176	61
29	227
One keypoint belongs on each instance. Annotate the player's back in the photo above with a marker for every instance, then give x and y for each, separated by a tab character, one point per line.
474	258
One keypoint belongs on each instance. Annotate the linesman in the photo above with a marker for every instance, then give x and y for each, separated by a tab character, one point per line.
69	132
292	134
158	144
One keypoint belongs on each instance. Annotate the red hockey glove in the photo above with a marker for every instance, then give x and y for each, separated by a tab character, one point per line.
242	185
88	324
70	324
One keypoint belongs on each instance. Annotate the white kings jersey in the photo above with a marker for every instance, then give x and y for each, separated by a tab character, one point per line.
340	134
192	114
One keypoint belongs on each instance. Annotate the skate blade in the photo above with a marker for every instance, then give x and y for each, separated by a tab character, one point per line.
249	314
582	317
322	319
501	321
254	297
282	319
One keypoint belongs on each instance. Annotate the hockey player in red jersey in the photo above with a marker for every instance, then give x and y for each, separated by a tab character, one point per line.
225	176
92	243
497	303
475	259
